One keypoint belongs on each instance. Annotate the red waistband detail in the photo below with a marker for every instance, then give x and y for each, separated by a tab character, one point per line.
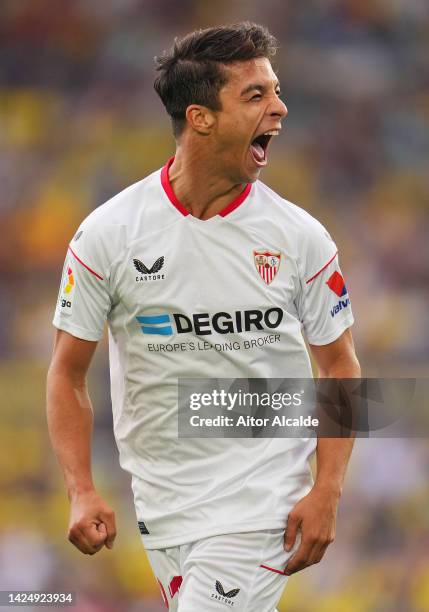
272	569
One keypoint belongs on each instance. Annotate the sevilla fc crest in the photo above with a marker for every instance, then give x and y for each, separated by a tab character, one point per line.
267	264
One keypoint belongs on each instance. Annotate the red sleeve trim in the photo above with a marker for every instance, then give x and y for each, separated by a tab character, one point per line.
276	571
321	269
84	264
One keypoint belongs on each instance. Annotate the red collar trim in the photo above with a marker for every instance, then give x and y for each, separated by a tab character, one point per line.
238	200
165	181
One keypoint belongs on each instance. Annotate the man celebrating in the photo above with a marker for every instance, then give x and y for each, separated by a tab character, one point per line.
202	250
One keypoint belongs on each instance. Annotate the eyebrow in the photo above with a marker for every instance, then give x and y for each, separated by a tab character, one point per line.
257	87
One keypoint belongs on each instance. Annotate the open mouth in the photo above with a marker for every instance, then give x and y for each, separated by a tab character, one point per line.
259	146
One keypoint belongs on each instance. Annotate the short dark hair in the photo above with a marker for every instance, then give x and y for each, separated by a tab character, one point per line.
192	71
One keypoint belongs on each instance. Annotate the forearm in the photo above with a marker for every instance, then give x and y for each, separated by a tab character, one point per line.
333	454
70	423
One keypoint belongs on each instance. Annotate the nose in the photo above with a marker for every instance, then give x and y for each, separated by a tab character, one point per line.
278	108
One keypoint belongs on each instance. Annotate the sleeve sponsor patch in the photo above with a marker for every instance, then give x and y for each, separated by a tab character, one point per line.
68	285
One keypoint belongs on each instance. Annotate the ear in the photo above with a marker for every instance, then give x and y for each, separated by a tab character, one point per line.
200	118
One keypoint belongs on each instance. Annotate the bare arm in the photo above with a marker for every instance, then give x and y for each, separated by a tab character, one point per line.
70	421
336	360
69	410
315	514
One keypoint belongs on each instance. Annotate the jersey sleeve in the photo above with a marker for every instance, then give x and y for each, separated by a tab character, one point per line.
324	304
84	301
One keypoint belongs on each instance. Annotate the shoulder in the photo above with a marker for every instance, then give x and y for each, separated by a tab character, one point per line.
123	207
309	241
106	230
295	218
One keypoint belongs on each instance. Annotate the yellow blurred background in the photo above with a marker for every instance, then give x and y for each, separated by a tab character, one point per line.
79	121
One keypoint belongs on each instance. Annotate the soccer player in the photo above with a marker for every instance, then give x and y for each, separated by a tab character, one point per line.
195	255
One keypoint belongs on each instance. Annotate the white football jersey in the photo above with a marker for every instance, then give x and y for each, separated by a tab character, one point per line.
185	298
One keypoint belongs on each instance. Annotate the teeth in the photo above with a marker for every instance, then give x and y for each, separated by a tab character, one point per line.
272	133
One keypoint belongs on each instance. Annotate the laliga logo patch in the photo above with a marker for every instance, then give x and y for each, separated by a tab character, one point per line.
70	281
68	286
267	264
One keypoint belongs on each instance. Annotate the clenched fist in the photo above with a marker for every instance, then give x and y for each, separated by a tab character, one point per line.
92	523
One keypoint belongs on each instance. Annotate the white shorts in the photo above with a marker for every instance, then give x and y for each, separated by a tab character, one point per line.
240	571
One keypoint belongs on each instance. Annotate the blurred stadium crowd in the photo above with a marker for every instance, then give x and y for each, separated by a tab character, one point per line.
79	121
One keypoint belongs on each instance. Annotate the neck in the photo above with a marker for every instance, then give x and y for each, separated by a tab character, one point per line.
200	183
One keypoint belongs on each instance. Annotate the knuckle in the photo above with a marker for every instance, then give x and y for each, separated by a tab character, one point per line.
327	540
71	535
90	549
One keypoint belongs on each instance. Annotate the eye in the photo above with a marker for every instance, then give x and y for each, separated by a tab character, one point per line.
256	97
